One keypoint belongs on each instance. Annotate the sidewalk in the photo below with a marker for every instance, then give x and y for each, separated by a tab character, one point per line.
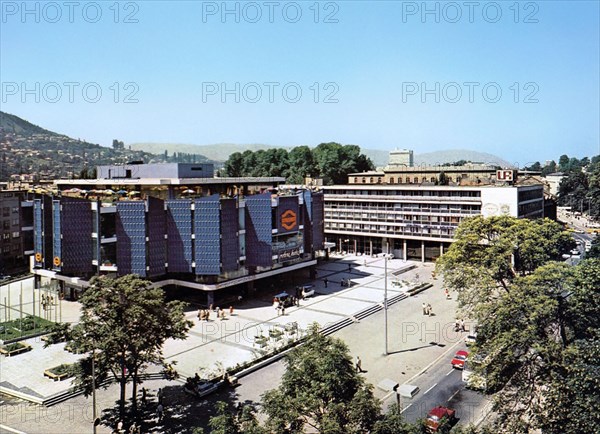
218	344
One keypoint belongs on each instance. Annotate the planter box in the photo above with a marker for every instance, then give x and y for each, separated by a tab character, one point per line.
57	376
14	349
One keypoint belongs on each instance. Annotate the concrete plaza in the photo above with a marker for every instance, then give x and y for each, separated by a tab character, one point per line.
218	344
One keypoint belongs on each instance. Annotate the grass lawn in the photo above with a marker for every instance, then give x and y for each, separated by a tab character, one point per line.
24	327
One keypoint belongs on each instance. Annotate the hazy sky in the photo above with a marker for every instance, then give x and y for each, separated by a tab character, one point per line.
520	80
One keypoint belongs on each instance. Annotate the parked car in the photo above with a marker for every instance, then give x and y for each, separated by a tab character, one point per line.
471	338
308	290
458	361
575	252
438	417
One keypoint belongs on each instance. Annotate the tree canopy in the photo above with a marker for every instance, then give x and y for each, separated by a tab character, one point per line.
124	323
331	161
537	321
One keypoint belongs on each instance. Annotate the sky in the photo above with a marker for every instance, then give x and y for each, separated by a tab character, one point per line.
516	79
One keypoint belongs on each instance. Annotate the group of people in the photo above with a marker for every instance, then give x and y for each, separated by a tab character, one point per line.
345	283
47	301
133	429
204	314
459	325
427	310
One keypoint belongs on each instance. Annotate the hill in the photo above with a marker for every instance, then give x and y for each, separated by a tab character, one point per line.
216	152
222	151
15	125
29	152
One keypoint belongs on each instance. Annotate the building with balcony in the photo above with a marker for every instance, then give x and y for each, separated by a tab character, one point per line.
417	221
176	226
16	230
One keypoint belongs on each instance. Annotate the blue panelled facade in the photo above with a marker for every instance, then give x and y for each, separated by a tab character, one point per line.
157	249
179	236
207	229
38	230
318	221
56	236
229	235
259	231
77	245
131	238
205	240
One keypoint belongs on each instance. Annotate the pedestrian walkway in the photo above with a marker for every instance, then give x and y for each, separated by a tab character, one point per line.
219	344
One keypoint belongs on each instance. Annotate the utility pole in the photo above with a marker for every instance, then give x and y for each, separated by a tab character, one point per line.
385	303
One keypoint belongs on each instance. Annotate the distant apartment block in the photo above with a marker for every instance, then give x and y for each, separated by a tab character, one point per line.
16	230
175	224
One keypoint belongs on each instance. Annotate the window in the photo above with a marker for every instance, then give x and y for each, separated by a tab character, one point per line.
392	180
364	180
371	180
416	179
356	180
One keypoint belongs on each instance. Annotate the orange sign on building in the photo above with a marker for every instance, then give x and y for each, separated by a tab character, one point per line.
289	220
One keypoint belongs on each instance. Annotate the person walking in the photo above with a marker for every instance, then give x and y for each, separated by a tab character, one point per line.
429	309
447	293
462	325
358	364
424	308
159	412
159	395
230	310
349	268
144	395
282	310
325	282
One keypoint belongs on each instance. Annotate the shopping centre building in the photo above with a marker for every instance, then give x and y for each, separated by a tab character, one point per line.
177	225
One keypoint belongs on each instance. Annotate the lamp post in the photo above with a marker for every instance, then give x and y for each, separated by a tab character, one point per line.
385	304
94	385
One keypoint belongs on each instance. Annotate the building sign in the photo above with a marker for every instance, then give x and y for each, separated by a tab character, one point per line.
38	257
288	216
505	175
289	220
56	261
286	255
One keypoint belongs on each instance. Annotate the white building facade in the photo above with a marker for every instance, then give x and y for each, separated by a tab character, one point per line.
417	222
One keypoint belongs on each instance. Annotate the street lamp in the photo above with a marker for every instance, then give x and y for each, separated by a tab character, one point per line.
385	303
95	420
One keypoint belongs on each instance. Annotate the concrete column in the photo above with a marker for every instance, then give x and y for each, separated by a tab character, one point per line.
422	251
340	243
355	246
210	298
405	250
370	247
441	248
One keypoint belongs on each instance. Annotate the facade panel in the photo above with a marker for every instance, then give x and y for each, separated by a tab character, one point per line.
287	215
57	242
77	242
157	249
259	251
179	236
131	238
38	230
318	223
229	235
207	230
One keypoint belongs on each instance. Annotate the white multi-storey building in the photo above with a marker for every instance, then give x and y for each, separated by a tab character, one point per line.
417	221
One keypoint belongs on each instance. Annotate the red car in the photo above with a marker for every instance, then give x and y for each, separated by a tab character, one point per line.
439	416
458	361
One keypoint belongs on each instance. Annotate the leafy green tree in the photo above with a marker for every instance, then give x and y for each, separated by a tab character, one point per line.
301	164
489	253
393	423
234	166
125	322
322	390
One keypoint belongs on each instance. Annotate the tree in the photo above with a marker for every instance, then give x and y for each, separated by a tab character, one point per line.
489	253
125	322
234	166
537	321
321	389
